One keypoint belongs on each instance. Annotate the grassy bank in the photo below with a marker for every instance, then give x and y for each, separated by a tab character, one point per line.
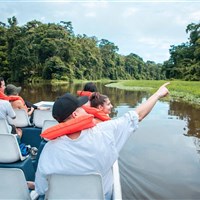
179	90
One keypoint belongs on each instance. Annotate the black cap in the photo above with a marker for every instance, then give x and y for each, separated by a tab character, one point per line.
65	105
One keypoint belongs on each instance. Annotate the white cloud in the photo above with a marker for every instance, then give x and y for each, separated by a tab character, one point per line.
90	14
129	12
195	16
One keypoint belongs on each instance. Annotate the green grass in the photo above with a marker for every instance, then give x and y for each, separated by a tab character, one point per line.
187	91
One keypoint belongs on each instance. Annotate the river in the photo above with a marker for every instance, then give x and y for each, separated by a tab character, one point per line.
161	160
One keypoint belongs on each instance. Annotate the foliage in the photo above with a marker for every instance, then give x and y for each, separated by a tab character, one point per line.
52	51
184	62
38	51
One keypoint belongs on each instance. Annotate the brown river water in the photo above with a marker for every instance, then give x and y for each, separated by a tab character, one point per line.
161	160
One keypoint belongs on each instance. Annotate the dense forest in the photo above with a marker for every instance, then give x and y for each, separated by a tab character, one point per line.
184	62
38	51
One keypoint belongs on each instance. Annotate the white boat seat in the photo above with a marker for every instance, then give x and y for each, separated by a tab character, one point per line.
21	120
48	123
74	187
39	116
11	157
5	128
9	149
13	184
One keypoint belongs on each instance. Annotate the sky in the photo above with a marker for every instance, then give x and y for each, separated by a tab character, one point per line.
145	28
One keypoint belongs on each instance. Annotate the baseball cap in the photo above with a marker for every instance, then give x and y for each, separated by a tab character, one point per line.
12	89
65	105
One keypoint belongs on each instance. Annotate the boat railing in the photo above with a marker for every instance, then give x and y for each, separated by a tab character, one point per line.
117	193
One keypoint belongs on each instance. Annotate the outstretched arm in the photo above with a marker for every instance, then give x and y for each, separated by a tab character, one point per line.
144	109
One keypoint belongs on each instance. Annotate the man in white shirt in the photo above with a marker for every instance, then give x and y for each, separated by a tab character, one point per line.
93	150
5	106
6	109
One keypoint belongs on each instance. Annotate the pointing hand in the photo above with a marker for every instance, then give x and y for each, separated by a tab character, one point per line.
163	91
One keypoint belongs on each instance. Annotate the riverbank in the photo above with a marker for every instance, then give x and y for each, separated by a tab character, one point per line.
187	91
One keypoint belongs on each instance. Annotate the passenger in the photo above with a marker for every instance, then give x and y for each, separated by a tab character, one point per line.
100	106
5	111
17	104
12	90
88	89
93	150
102	102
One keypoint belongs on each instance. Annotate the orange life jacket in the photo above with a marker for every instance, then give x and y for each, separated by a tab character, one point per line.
84	93
71	126
99	114
8	98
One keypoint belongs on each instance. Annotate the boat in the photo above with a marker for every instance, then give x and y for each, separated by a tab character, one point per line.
31	135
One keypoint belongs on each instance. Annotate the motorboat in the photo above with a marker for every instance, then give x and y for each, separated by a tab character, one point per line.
31	136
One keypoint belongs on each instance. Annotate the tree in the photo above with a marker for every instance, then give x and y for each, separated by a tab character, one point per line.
108	52
185	58
56	69
52	51
4	69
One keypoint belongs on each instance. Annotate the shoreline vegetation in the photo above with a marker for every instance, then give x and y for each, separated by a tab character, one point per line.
186	91
39	51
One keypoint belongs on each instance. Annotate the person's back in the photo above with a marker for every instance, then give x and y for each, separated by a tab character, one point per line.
6	110
94	151
91	150
19	103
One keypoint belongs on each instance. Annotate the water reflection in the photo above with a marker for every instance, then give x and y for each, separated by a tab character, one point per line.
190	114
158	161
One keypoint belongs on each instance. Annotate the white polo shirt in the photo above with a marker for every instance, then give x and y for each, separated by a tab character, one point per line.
6	110
94	151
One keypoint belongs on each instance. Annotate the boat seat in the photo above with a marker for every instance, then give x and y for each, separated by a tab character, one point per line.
75	187
48	123
21	120
9	149
39	116
11	157
5	126
13	184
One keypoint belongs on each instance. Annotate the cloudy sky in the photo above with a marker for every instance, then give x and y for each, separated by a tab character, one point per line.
146	28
